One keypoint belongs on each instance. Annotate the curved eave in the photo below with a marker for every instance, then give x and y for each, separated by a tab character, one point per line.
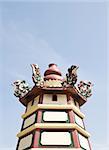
38	90
77	96
35	91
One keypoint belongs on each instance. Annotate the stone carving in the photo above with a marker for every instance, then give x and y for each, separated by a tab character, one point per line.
72	75
85	88
21	88
36	76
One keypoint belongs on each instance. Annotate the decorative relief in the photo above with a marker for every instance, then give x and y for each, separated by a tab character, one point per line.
36	76
52	83
71	76
21	88
53	78
85	88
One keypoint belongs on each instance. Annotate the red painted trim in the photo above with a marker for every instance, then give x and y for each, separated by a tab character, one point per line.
37	133
36	138
75	139
39	116
53	77
71	116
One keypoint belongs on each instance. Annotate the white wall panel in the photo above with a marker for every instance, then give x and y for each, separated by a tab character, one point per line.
30	120
79	120
62	98
25	142
55	138
55	116
83	142
47	99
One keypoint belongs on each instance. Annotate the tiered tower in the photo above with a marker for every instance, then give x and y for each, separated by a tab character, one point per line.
53	118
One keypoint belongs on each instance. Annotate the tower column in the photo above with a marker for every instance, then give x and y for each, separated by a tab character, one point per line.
37	132
75	137
36	138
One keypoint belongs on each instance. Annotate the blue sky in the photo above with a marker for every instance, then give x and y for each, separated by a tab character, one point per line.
65	33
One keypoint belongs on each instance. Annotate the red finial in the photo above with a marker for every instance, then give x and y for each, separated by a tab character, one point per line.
53	73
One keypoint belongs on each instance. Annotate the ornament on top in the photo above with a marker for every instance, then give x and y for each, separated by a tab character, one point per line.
85	88
36	76
21	88
71	76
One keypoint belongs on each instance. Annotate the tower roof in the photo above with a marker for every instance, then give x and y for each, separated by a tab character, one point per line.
53	73
53	83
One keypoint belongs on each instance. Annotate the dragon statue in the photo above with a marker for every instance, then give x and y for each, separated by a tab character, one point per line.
21	88
85	88
36	76
71	76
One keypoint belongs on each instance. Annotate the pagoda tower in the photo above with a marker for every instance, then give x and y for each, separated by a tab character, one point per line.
52	117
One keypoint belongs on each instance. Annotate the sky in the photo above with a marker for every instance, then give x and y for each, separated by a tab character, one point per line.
62	32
